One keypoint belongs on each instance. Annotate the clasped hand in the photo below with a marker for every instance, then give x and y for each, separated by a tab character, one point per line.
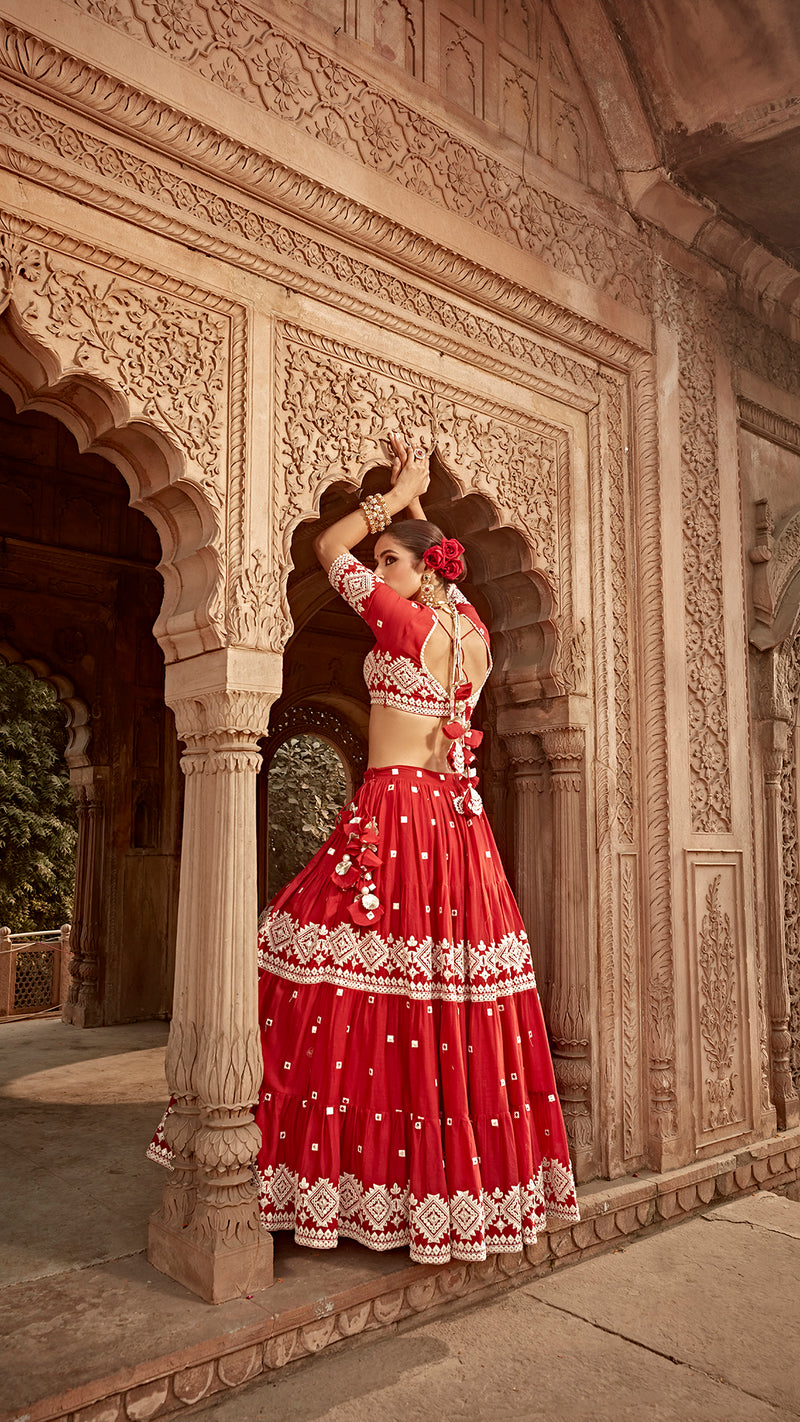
411	472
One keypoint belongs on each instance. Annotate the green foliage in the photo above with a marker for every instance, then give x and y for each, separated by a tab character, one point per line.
38	833
307	788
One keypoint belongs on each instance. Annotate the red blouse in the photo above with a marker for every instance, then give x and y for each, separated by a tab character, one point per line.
395	670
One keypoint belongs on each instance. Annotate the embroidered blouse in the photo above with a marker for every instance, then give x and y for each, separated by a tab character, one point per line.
395	670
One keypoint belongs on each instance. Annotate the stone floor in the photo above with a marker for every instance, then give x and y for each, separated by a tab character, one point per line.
696	1322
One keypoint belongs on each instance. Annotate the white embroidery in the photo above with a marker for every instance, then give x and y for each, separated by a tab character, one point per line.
399	682
350	578
439	969
435	1227
402	682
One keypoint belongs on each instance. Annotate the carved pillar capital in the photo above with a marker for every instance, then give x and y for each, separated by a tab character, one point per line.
564	747
523	750
234	718
774	737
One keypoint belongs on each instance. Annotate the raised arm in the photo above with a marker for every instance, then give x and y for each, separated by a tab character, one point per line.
410	478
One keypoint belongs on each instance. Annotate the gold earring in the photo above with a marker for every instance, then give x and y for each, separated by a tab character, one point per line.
427	588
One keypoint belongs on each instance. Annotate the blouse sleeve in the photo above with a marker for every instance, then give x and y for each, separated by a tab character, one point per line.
367	594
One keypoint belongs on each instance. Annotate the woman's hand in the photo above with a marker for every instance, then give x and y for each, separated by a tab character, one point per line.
411	476
411	473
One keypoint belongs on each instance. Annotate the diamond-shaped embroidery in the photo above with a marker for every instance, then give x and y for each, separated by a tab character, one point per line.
432	1217
373	952
377	1207
465	1212
281	1187
322	1202
559	1181
349	1196
355	583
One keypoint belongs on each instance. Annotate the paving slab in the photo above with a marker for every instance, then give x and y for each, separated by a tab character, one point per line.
720	1294
515	1359
116	1320
79	1108
693	1323
761	1210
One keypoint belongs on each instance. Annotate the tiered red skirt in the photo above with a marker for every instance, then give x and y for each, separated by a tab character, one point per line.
408	1094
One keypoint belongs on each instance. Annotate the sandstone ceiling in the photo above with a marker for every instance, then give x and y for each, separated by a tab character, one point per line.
720	80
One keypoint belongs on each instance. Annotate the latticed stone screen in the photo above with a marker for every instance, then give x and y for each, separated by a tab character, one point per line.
33	983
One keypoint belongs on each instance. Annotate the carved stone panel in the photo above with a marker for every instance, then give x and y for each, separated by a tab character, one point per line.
720	1027
166	356
336	404
686	310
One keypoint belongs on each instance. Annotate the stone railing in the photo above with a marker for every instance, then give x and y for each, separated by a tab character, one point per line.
34	971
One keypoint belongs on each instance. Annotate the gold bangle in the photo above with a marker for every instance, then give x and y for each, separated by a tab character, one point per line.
375	513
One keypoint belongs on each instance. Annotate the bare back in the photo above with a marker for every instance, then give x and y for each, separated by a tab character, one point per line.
405	738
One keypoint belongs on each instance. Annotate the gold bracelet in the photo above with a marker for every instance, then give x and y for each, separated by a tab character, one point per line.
375	513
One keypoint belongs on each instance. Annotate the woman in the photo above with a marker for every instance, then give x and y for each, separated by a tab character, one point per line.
408	1094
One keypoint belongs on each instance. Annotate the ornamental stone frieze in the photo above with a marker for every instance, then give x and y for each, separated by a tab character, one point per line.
286	76
684	307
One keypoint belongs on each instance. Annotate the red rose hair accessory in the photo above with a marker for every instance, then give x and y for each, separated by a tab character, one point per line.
445	558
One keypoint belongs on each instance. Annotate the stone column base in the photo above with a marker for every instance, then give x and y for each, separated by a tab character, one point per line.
82	1014
214	1271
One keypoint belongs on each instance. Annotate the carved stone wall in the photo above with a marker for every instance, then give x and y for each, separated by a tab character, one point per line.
357	217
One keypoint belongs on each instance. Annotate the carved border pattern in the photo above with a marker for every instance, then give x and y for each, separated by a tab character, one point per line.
117	178
719	1017
790	818
755	346
684	308
768	424
631	1009
663	1103
612	392
244	53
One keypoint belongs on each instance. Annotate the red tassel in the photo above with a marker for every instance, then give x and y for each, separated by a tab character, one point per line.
454	730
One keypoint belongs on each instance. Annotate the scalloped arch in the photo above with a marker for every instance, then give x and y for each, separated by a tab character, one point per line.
76	710
97	415
518	601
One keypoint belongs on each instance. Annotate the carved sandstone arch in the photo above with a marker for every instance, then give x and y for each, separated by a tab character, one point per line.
76	711
517	599
84	373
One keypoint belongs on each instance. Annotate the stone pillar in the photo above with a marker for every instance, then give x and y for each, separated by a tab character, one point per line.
775	739
207	1233
526	767
63	963
82	1006
568	996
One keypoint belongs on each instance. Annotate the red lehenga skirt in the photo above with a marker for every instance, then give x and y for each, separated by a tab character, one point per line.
408	1094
